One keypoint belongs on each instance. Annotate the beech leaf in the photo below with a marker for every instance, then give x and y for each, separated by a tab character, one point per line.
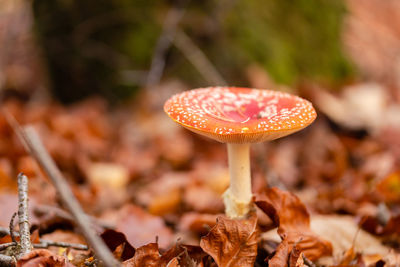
43	257
146	255
114	240
293	221
232	243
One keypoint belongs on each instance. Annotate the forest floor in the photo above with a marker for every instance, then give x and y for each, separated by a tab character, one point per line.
327	196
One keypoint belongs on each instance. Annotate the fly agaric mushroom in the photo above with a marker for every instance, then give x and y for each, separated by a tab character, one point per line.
239	117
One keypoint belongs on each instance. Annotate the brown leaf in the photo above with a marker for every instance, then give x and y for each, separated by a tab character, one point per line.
296	258
178	255
173	263
389	187
372	225
185	255
165	203
197	222
146	255
139	226
203	199
114	240
43	257
293	221
286	255
232	242
280	258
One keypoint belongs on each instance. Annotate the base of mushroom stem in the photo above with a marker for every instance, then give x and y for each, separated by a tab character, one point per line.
235	208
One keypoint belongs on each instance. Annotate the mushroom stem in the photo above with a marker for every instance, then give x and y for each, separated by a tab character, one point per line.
237	198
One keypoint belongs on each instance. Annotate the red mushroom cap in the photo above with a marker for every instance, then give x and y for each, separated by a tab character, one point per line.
240	115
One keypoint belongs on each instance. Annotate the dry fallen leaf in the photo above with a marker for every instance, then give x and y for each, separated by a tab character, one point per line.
232	243
347	239
202	199
139	226
43	257
293	221
114	240
183	255
146	255
197	222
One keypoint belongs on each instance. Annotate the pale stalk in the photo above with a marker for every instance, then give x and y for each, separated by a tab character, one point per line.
237	198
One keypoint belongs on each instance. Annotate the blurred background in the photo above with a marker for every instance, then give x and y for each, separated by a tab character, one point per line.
92	76
111	48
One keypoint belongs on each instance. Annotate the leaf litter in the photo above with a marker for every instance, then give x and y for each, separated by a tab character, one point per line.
152	189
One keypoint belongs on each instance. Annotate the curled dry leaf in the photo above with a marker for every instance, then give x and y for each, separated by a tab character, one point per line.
114	240
43	257
232	243
296	258
286	255
374	226
293	221
146	255
183	255
178	255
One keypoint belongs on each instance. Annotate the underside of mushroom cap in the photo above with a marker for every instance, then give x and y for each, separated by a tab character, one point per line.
240	115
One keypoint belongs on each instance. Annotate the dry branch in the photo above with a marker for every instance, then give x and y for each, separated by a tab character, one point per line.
47	243
38	151
43	243
41	210
198	59
11	228
163	44
23	219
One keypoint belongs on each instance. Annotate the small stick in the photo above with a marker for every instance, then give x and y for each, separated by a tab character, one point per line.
24	232
198	59
48	243
6	245
308	262
171	22
11	228
59	212
39	152
45	243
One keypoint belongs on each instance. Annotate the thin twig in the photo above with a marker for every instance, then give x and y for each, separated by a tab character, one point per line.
308	262
48	243
6	245
198	59
39	152
43	243
41	209
23	218
171	22
11	227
